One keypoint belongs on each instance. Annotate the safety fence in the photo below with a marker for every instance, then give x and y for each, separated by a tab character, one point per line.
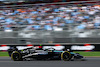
24	37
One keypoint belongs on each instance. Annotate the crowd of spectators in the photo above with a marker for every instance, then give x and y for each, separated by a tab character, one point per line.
52	17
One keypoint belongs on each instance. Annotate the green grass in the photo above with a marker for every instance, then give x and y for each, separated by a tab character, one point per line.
4	54
82	53
88	53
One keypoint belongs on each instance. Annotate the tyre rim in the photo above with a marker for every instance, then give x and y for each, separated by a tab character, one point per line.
16	56
66	55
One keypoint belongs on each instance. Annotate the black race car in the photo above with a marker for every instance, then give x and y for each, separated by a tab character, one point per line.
34	53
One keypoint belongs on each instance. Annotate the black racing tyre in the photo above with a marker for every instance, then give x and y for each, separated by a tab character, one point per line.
66	56
16	56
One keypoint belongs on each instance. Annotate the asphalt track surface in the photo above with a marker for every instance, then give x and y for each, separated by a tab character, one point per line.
91	62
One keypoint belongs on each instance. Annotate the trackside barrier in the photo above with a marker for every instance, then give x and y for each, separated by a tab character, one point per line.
73	47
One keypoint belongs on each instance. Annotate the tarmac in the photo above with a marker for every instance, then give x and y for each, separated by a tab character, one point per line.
90	62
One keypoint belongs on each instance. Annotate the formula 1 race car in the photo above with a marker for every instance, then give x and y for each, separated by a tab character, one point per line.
42	54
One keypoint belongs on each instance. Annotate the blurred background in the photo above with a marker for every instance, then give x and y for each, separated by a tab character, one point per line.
50	22
68	22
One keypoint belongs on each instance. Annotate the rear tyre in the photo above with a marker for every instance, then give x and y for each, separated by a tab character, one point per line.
66	56
16	56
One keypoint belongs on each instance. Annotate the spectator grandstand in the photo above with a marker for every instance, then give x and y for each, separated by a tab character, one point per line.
57	21
51	17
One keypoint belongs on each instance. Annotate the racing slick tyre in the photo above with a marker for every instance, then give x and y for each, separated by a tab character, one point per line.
16	56
66	56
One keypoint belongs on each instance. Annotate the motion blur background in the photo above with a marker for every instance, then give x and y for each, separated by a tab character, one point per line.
49	22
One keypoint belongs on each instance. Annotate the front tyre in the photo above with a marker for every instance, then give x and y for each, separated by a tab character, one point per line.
16	56
66	56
